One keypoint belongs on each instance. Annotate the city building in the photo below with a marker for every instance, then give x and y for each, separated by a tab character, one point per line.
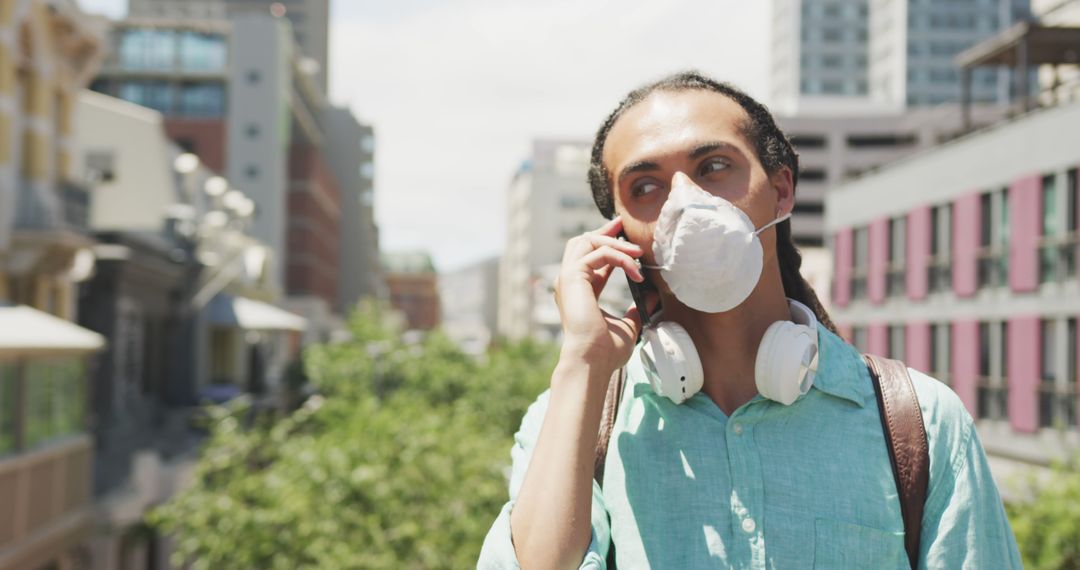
1058	82
845	57
237	93
835	148
309	19
548	203
962	260
48	52
414	288
186	298
470	304
350	149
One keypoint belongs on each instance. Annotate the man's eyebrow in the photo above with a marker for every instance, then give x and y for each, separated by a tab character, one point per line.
639	166
697	152
706	148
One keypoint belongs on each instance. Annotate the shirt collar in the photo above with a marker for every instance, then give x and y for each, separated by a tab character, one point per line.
841	369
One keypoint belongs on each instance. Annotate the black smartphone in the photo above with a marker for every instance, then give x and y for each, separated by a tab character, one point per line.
637	291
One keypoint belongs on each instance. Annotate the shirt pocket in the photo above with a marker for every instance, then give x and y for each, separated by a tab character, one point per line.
845	545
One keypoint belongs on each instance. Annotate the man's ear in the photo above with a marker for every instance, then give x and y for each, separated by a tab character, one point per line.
783	184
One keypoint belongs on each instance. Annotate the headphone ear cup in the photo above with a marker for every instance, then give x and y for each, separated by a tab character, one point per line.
671	361
780	369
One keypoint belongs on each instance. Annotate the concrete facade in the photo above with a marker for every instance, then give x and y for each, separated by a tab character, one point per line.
350	147
962	260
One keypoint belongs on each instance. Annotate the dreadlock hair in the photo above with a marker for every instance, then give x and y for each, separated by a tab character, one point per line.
772	147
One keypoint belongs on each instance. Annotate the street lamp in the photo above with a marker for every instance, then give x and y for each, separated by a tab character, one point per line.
215	186
186	163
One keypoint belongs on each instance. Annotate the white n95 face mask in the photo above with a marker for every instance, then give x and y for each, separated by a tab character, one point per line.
706	248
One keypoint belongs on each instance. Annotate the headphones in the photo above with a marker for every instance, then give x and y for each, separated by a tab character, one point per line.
784	369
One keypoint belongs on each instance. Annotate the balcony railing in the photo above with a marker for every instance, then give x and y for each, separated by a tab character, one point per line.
43	207
46	498
896	280
1057	405
940	274
992	399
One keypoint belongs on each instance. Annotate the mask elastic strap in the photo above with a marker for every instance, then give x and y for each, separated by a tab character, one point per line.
772	223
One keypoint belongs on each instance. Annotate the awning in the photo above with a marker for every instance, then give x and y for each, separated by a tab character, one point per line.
244	313
25	331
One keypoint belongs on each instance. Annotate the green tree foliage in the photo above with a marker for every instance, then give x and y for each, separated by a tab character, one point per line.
1047	526
399	462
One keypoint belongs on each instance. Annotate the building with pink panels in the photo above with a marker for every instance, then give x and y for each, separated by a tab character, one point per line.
962	261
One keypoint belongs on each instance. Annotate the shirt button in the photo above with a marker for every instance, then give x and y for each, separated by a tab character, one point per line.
748	525
737	428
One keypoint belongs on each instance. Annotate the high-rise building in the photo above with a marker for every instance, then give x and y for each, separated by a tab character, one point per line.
350	149
962	260
236	93
548	203
844	57
309	19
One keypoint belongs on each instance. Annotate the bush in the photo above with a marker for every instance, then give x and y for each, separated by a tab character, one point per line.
1047	526
400	461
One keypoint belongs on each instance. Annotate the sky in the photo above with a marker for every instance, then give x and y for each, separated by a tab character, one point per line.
457	90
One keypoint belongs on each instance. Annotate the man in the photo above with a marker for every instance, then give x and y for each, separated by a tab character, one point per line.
754	466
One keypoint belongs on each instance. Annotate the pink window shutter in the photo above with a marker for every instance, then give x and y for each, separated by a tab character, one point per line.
917	345
918	252
843	243
879	259
965	362
965	222
1023	347
1025	217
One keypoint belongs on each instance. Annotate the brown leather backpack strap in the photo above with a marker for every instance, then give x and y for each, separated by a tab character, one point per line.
607	421
909	452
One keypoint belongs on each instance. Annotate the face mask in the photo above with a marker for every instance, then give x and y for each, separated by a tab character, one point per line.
706	248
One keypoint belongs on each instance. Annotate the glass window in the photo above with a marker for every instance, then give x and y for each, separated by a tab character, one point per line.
896	282
1048	252
859	338
202	100
1071	190
202	52
940	245
861	261
156	95
7	407
147	49
55	405
941	352
1047	373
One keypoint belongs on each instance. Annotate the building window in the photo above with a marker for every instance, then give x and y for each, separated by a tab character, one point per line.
897	345
1048	259
253	76
993	255
156	95
896	276
860	263
202	52
941	352
812	175
252	131
147	49
880	141
992	386
252	171
940	247
54	401
1057	386
202	100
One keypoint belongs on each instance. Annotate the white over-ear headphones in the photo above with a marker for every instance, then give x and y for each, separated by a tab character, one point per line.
784	369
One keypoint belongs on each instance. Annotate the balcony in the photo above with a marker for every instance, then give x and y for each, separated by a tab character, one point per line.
993	267
1057	258
63	207
49	493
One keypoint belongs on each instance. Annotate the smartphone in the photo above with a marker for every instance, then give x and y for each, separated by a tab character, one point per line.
637	291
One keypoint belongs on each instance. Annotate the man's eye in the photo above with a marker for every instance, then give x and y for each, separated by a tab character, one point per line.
712	165
643	188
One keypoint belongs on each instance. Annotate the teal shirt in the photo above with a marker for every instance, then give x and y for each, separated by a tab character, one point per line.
802	486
